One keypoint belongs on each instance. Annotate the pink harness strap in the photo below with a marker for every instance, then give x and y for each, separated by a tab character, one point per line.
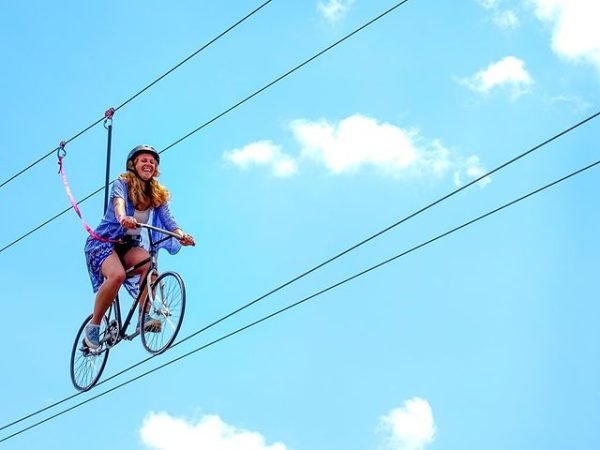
61	171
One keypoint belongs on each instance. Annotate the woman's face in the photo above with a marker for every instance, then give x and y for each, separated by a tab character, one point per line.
145	166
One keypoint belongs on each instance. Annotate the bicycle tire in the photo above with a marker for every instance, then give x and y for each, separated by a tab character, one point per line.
87	367
168	307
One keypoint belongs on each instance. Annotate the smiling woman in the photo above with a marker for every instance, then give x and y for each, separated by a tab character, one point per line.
137	197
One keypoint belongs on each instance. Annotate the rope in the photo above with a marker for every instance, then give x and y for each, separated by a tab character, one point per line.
61	170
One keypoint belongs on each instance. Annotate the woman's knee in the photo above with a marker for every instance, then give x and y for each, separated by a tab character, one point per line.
113	270
115	277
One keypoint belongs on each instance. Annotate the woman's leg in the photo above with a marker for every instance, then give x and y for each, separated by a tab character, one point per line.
114	275
134	256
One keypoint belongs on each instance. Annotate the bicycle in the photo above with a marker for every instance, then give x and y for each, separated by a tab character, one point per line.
165	301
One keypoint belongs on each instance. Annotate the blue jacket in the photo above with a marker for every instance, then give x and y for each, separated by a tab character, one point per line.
160	217
97	251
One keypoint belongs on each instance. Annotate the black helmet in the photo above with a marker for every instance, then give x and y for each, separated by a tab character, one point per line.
142	149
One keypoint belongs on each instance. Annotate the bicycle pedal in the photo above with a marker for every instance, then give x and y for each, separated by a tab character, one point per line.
88	351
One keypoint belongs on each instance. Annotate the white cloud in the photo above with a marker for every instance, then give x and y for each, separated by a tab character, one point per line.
334	10
509	73
575	30
356	141
160	431
410	427
471	168
359	142
576	104
506	19
489	4
263	153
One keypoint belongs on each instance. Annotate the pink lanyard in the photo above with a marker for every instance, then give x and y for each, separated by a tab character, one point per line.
61	170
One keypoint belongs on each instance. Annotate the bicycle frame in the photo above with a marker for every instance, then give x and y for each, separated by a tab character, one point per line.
152	271
164	305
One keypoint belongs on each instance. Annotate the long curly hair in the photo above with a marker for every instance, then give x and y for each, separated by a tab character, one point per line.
142	192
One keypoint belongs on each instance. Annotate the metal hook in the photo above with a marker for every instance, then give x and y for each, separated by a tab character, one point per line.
60	151
108	114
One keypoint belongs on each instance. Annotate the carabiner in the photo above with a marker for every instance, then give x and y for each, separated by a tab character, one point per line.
60	151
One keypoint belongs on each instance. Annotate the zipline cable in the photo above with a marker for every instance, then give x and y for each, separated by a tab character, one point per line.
312	296
410	216
170	146
498	168
218	116
593	116
56	216
209	43
137	94
304	274
289	72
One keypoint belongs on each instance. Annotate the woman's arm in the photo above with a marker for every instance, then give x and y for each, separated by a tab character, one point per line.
118	196
170	224
121	215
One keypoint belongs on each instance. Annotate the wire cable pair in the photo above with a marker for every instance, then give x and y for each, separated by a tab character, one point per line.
293	305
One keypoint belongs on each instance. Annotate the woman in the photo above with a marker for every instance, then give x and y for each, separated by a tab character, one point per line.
136	197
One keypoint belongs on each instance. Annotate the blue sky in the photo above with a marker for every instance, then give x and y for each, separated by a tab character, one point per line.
485	339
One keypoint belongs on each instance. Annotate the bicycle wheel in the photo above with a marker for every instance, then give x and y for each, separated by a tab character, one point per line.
86	364
166	306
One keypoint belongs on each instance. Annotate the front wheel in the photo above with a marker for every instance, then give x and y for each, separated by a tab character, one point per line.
163	312
87	365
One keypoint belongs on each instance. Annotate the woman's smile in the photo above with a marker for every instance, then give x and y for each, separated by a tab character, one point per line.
145	166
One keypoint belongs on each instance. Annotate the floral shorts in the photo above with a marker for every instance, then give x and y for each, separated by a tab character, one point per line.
96	253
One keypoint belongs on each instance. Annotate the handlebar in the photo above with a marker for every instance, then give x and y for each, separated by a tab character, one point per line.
160	230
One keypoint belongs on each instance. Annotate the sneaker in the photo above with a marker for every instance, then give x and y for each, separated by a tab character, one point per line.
151	324
91	336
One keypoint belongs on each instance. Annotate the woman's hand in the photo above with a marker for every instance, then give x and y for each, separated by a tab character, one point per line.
128	222
187	239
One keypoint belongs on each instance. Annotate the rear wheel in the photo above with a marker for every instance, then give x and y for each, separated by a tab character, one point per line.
87	365
164	311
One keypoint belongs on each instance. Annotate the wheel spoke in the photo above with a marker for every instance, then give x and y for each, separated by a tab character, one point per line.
87	365
167	308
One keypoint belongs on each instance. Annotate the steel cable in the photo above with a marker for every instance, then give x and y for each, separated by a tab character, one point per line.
310	297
